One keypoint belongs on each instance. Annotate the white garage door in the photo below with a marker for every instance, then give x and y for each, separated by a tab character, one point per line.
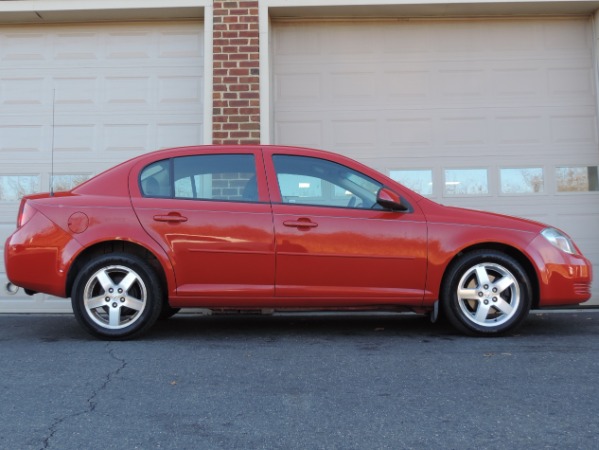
491	114
117	90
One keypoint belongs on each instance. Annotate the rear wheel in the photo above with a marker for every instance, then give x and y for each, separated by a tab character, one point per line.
486	293
117	296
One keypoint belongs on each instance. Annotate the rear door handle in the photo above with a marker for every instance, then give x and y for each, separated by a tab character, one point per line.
172	217
301	223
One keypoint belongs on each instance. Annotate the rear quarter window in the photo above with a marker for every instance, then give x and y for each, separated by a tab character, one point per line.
155	179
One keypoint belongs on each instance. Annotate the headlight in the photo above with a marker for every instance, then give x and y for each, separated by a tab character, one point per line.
559	240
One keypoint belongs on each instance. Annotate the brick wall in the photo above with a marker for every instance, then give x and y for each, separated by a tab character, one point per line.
236	87
233	186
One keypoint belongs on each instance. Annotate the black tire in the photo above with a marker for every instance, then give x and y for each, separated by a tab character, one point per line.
117	296
486	293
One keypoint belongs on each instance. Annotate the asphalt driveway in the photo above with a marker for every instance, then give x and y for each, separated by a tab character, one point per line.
300	382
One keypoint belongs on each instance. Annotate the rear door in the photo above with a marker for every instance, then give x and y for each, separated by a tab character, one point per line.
212	215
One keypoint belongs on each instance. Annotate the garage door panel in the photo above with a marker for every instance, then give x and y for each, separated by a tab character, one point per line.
179	91
18	138
98	134
305	133
574	128
566	36
414	85
441	51
513	130
77	137
352	85
408	86
83	90
25	92
499	131
135	43
22	45
574	83
297	87
410	131
177	133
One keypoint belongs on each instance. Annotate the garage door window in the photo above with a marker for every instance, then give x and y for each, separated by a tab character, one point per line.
66	182
525	180
420	181
577	179
14	187
460	182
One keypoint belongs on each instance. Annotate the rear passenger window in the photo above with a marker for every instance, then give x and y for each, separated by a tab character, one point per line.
216	177
202	177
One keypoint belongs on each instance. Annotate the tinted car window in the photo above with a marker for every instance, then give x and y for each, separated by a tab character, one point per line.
215	177
314	181
155	180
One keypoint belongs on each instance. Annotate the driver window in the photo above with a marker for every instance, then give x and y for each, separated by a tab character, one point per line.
313	181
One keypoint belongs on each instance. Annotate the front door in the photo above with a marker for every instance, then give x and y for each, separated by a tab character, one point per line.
335	245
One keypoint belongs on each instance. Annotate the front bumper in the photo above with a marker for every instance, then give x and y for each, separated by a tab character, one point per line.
564	279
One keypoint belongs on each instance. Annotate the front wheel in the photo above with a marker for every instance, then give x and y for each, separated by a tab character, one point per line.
116	296
486	293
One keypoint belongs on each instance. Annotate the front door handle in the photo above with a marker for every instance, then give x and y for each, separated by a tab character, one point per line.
172	217
301	223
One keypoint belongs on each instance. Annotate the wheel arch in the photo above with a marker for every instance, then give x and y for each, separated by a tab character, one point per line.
513	252
116	246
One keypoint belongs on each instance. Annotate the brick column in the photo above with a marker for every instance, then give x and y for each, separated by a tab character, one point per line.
236	81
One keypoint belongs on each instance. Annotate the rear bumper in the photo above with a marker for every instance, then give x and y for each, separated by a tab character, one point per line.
34	256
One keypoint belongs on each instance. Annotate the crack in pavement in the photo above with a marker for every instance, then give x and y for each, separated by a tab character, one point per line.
91	400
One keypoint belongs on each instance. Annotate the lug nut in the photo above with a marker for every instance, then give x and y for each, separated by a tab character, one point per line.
120	291
111	290
494	299
486	302
122	299
107	299
114	305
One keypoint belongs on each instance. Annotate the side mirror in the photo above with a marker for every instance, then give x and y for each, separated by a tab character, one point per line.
390	200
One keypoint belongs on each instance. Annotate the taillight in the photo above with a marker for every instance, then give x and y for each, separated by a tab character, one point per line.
25	213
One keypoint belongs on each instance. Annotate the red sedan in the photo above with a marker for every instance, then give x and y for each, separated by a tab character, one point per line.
244	228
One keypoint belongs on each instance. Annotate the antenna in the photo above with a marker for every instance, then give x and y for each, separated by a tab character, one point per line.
52	148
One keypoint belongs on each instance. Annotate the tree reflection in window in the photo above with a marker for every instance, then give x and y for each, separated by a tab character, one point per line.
14	187
420	181
577	179
66	182
466	182
526	180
